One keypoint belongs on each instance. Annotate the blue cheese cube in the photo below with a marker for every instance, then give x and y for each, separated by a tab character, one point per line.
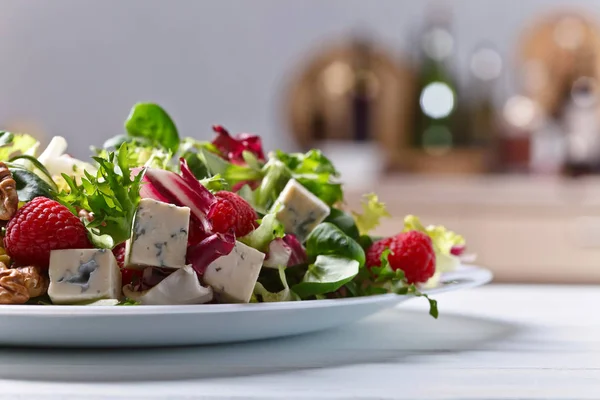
233	276
181	287
160	235
300	211
83	275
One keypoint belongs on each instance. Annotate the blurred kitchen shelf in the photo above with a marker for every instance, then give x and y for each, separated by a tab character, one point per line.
460	161
525	228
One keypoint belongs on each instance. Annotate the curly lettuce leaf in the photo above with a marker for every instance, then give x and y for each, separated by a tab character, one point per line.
143	155
373	211
443	240
112	195
214	183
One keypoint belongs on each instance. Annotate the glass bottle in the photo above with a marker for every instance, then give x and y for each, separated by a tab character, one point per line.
435	128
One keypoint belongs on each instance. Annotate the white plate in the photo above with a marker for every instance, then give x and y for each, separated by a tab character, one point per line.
145	326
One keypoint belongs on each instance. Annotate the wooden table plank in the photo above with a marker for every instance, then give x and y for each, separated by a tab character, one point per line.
496	342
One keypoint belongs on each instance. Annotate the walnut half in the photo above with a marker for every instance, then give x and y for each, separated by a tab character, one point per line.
18	285
9	200
35	282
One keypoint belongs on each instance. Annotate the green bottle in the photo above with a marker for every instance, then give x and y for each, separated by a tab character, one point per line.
435	125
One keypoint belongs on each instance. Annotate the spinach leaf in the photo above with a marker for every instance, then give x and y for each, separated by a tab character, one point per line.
29	185
328	239
148	120
326	275
344	221
366	241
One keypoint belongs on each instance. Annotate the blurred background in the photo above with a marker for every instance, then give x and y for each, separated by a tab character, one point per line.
482	115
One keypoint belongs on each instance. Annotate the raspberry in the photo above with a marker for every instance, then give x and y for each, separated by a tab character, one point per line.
40	226
128	275
411	251
232	212
375	250
119	253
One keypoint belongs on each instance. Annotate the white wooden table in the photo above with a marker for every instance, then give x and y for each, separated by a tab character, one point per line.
496	342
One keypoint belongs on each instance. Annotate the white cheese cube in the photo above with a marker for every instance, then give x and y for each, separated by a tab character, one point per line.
160	235
181	287
82	275
300	211
233	276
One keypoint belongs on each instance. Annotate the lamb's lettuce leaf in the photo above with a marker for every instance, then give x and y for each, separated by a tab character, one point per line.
151	121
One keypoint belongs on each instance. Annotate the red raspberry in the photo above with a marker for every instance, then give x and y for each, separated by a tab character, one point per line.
119	253
375	250
411	251
128	275
232	212
40	226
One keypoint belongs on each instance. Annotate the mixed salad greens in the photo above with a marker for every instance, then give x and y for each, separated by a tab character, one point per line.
323	258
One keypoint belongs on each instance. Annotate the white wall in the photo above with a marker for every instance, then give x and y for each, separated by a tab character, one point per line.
74	67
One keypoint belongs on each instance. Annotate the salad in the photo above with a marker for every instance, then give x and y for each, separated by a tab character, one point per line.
153	219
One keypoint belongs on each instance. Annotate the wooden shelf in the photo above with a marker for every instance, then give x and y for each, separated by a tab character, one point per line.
526	229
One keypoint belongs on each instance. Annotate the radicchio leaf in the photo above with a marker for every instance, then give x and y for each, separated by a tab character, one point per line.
184	191
208	250
298	255
232	148
457	250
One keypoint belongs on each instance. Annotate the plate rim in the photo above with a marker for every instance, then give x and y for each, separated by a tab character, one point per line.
28	310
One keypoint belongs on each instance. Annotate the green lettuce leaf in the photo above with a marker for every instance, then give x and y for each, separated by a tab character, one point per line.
268	230
315	172
128	302
442	239
373	211
383	279
143	155
215	183
14	144
232	173
263	295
